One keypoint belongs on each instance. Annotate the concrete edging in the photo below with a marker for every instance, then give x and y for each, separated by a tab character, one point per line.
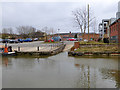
39	53
72	53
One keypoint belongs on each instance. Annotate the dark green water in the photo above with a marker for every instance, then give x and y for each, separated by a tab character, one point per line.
60	71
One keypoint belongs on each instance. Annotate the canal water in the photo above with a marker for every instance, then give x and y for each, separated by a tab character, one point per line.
60	71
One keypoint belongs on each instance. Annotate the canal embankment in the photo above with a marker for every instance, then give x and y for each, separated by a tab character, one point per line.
42	49
98	49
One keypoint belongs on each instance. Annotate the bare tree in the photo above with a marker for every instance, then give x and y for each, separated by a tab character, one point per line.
52	31
10	30
4	30
45	29
81	19
7	30
25	30
48	31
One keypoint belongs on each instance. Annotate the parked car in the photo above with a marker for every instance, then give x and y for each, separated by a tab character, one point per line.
5	40
27	40
35	39
76	39
1	40
80	39
71	39
50	40
57	38
13	41
20	40
85	40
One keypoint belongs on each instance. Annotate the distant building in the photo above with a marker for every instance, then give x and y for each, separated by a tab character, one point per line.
110	28
115	31
115	27
104	28
65	36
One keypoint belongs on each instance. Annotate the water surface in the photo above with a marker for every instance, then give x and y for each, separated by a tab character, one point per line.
60	71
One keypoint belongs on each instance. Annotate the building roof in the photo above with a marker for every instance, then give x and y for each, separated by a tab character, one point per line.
114	22
73	33
105	20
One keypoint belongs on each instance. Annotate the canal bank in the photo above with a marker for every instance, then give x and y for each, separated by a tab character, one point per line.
72	53
36	48
38	52
60	71
93	49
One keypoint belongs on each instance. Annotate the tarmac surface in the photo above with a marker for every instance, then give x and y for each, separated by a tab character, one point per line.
33	46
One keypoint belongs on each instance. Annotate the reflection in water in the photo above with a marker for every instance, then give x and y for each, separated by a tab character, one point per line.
5	61
109	70
84	79
112	75
60	71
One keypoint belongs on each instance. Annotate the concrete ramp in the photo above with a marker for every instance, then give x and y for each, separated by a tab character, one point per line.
68	47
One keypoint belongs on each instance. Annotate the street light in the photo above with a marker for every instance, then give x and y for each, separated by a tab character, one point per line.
58	35
118	32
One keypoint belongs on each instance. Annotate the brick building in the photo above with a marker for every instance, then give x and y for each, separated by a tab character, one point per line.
110	28
65	36
115	31
115	27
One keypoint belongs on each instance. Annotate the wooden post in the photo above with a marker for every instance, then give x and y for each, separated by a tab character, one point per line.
38	48
18	48
88	22
51	46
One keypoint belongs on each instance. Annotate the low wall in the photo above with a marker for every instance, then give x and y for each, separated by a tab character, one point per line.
77	45
41	53
72	53
58	50
96	45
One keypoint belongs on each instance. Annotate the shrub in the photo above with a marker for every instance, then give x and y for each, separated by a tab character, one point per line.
105	40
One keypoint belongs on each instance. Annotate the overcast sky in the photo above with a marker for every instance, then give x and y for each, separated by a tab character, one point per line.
53	14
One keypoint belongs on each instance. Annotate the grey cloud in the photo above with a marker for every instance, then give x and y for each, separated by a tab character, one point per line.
51	14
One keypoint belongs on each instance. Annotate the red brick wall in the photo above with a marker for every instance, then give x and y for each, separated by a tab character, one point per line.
76	45
85	36
114	29
95	36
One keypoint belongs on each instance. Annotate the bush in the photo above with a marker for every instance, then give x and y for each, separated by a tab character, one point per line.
105	40
99	40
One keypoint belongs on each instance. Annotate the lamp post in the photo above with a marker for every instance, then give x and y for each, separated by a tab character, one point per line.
88	22
118	27
58	32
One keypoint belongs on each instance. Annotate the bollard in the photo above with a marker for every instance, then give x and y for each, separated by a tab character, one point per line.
38	48
51	46
18	48
62	43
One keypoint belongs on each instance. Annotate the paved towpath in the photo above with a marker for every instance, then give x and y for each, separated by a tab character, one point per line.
32	46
